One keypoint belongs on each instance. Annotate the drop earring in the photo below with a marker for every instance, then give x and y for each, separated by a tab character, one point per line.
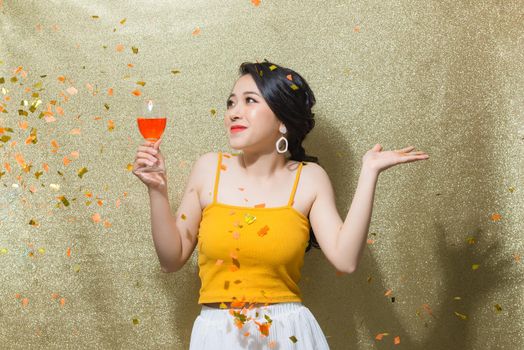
283	130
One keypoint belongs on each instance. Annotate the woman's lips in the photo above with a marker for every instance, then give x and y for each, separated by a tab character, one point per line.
237	129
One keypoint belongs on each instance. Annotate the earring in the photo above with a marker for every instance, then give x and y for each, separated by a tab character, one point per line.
282	130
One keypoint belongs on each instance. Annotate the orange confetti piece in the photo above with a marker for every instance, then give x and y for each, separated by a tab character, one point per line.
130	65
59	110
75	154
62	301
22	125
66	161
255	2
96	218
289	77
68	252
110	92
61	78
119	48
46	167
496	217
388	292
380	336
107	224
261	205
370	241
110	125
25	301
263	231
196	31
356	29
136	92
71	90
223	167
396	340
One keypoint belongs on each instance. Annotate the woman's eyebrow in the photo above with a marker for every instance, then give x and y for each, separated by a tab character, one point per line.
245	93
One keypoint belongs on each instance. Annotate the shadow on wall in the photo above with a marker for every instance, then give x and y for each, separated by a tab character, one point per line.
338	301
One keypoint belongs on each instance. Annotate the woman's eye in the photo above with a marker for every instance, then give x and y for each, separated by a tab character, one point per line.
229	102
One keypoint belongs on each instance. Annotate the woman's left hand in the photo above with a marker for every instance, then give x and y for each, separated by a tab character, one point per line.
377	160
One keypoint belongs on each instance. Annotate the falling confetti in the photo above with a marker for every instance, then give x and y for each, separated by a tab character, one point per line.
196	31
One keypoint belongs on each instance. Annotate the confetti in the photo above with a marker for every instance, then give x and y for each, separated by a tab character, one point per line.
134	49
255	2
119	48
396	340
82	171
289	77
249	219
498	307
136	92
475	266
496	217
142	83
123	21
460	315
196	31
175	71
294	87
263	231
293	339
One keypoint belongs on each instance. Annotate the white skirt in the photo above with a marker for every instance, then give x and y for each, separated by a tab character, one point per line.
293	326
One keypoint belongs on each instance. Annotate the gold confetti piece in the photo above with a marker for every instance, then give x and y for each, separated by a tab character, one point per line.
249	219
143	83
134	49
106	106
3	251
460	315
136	320
183	216
475	266
213	112
470	240
33	222
64	200
76	268
123	21
498	307
293	339
95	17
175	71
294	87
82	171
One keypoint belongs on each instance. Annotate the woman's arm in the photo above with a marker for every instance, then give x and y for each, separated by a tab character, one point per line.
342	242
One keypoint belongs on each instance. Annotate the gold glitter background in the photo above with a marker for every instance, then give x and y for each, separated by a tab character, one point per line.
442	269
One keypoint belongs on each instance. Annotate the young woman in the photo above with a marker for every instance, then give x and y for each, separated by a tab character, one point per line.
255	213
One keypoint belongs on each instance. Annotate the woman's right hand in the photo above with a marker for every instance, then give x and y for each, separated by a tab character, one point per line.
148	154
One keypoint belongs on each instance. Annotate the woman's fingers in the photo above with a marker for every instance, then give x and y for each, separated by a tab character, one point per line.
145	155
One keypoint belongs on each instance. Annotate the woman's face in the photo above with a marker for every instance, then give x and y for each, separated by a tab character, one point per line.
247	107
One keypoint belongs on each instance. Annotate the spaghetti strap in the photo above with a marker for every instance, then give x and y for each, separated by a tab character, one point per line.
217	177
292	197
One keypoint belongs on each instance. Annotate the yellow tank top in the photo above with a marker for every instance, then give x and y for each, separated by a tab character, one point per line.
251	254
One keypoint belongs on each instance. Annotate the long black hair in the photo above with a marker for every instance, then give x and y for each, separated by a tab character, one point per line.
291	99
